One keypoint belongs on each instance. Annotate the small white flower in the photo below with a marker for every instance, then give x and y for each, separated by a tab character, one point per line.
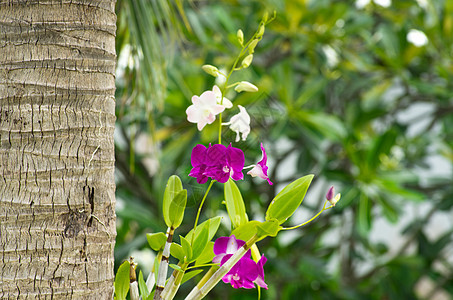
218	95
245	86
240	123
204	109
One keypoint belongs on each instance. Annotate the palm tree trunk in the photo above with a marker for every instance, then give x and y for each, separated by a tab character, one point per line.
57	114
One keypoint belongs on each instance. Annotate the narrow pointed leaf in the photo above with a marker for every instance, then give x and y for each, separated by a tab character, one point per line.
142	286
186	247
207	255
235	204
175	267
214	224
288	200
190	275
200	242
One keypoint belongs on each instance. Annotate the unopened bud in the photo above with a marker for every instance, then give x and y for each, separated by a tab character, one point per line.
265	17
260	31
329	196
247	61
240	36
245	86
211	70
253	45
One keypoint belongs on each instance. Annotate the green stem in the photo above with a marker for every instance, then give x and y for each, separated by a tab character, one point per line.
305	223
199	209
225	86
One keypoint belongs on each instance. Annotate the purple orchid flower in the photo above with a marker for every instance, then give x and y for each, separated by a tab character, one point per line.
225	245
198	160
245	272
260	169
242	274
218	162
260	279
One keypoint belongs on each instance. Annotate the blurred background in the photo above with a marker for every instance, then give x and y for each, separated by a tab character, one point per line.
359	93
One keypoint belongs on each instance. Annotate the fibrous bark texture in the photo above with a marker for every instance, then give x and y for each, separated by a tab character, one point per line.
57	220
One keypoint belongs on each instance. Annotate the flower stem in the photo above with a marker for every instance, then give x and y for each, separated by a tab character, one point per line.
314	217
199	209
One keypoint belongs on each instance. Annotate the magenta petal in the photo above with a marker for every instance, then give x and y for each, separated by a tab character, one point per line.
248	269
198	172
218	258
198	156
260	267
221	244
264	158
236	158
330	193
216	155
225	258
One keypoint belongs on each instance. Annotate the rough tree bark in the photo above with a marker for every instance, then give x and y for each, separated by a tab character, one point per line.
57	220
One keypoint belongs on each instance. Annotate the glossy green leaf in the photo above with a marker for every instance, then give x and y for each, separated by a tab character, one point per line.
213	225
207	255
200	241
288	200
262	229
189	275
173	199
235	204
156	240
186	247
175	267
177	251
122	281
245	231
268	228
177	207
142	286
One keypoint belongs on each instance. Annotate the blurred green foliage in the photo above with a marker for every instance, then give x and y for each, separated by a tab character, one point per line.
344	94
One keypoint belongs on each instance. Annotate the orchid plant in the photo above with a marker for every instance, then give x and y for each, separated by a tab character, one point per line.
234	259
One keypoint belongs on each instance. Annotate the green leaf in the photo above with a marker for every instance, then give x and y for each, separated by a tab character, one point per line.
207	255
288	200
176	267
177	251
122	280
187	248
262	229
190	275
156	240
142	286
235	204
177	207
213	225
200	241
268	228
246	231
173	201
